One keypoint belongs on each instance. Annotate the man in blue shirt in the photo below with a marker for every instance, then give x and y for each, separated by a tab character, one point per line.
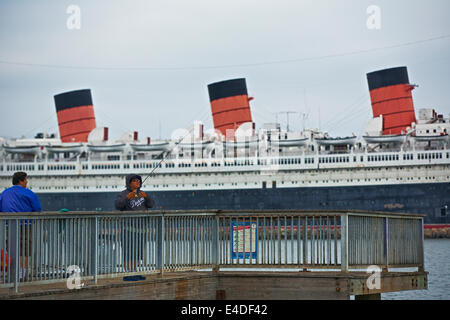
18	198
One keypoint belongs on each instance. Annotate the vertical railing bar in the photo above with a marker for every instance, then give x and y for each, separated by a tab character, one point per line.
285	240
344	242
41	247
292	239
73	244
264	255
168	243
63	223
126	245
319	242
279	239
135	240
21	247
132	244
29	255
106	244
145	248
81	244
3	246
202	240
224	241
172	241
197	242
60	248
305	241
112	246
185	240
258	245
175	241
142	234
179	241
201	234
191	243
102	245
335	241
328	241
313	243
44	249
270	246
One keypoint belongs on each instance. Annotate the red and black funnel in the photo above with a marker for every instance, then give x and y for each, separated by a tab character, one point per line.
390	94
229	104
75	113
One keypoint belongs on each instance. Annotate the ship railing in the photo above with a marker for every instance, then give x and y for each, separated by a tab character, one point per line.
57	246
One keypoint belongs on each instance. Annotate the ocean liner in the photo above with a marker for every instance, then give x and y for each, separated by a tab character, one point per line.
401	163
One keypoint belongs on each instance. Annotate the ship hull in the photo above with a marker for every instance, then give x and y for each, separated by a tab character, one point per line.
425	198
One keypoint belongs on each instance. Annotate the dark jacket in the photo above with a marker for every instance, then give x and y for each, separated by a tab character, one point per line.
140	203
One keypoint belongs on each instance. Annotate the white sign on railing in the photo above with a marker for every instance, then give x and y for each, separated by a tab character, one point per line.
243	243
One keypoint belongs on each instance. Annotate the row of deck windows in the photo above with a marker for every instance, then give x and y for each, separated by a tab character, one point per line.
434	155
334	159
287	161
384	157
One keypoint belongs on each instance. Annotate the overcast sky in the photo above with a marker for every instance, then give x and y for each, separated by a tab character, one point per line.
148	63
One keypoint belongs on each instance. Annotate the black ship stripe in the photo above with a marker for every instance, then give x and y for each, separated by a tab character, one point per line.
387	77
75	133
393	99
229	123
227	88
229	110
75	120
73	99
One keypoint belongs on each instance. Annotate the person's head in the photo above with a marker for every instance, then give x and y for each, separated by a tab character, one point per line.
134	181
20	179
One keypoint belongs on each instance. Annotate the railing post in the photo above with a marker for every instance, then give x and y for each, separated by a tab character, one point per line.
344	242
14	251
216	244
421	257
93	270
386	243
160	246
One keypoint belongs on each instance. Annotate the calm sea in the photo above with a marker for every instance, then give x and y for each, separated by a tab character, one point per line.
437	264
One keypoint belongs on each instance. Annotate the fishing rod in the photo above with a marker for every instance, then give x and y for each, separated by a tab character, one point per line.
165	157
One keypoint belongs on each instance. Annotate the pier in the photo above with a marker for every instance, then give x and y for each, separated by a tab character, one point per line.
273	255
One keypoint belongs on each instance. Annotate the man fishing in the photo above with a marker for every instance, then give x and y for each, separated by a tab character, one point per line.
132	198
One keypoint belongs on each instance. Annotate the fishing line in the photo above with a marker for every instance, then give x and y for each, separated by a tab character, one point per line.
168	153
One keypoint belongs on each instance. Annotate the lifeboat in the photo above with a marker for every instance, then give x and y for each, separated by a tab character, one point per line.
195	145
240	144
397	138
290	142
150	147
336	141
76	148
442	137
106	147
22	149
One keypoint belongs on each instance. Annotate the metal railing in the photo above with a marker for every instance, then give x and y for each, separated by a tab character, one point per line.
49	247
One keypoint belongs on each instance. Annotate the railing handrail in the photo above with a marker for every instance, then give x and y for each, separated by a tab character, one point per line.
218	212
